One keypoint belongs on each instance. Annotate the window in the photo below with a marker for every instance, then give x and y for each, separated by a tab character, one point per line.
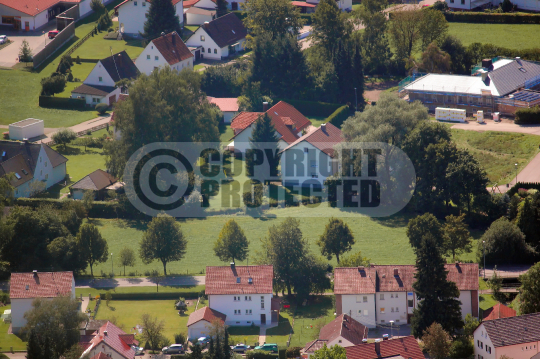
451	1
144	3
360	312
46	161
365	312
46	176
248	297
481	345
262	305
382	321
248	311
391	295
392	309
462	2
306	150
365	299
202	39
209	50
100	79
381	297
203	49
215	51
156	58
396	295
397	309
148	57
135	3
237	311
410	303
339	341
236	299
238	280
382	310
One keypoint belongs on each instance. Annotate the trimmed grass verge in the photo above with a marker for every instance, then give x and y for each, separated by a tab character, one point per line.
503	35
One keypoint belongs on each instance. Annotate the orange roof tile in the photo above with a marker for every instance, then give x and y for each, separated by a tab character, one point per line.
225	104
498	311
115	338
244	119
235	279
406	347
354	280
206	314
324	138
32	7
40	284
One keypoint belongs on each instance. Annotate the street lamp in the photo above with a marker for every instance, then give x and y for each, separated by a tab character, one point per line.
484	242
516	173
356	100
391	327
112	263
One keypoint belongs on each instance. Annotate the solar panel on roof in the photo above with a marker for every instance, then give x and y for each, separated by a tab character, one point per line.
17	175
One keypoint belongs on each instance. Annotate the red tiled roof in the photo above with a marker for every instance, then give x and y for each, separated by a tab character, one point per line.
354	280
314	345
400	283
174	2
244	119
407	347
283	109
225	104
498	311
465	275
115	339
302	4
324	138
190	3
346	327
33	7
43	285
224	280
172	48
205	314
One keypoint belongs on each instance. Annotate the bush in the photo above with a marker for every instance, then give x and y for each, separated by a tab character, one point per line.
62	103
54	84
532	185
528	116
507	6
293	352
4	298
256	200
492	18
504	244
282	354
461	348
70	77
101	108
259	354
440	5
180	338
78	60
339	116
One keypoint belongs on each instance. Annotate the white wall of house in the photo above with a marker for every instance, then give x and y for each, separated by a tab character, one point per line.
151	58
391	306
361	307
132	15
459	4
342	342
206	4
198	19
241	142
465	297
99	76
342	4
107	350
482	342
235	310
291	172
238	2
199	329
94	100
210	49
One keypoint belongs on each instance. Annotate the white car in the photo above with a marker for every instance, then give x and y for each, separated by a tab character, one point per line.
3	39
138	350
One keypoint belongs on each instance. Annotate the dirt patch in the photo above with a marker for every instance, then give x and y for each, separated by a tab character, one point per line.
373	91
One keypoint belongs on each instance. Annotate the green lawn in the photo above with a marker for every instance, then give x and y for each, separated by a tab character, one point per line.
498	152
512	36
80	72
9	340
149	289
245	335
317	121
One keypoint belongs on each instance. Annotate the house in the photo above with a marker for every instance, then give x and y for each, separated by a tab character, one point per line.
25	287
167	50
343	5
516	337
31	162
228	106
199	322
219	38
99	182
99	86
317	147
132	15
382	293
201	4
467	5
497	85
287	120
405	347
110	341
88	327
242	293
498	311
304	7
343	331
198	16
29	128
30	15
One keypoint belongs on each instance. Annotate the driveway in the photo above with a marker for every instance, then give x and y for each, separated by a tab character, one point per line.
139	282
36	39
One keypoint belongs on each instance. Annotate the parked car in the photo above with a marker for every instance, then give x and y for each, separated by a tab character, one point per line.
173	349
53	33
3	39
138	350
203	341
268	348
240	348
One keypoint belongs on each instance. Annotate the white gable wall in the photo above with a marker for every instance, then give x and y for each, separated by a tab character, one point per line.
209	46
94	77
199	329
394	305
355	307
241	142
227	305
131	17
151	58
288	173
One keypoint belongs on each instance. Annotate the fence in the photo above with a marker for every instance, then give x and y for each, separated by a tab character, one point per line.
63	37
80	42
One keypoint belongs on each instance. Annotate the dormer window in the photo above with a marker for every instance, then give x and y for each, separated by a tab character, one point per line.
135	3
238	280
100	79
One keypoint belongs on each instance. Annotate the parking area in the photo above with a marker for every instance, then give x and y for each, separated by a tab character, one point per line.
36	39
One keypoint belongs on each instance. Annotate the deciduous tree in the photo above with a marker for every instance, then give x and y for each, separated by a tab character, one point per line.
164	241
64	136
433	27
471	323
276	18
329	26
65	254
127	258
354	260
161	17
335	352
221	8
152	330
405	31
434	60
528	219
336	239
422	227
52	85
232	243
94	248
529	292
437	341
456	235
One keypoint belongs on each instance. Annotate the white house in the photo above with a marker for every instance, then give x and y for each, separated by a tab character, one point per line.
132	15
200	322
219	38
242	293
30	162
99	86
28	128
97	182
25	287
316	149
343	331
198	16
167	50
109	341
228	106
516	337
287	120
382	293
530	5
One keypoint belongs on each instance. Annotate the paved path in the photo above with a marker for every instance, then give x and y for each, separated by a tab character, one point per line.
505	126
139	282
77	128
262	335
20	355
84	304
507	271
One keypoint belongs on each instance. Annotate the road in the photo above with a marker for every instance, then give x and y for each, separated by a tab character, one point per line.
139	282
36	39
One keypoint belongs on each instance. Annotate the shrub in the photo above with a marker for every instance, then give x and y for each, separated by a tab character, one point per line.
70	77
259	354
339	116
497	18
507	6
4	298
53	84
505	244
293	352
254	201
282	353
528	116
440	5
101	108
461	348
180	338
64	136
78	60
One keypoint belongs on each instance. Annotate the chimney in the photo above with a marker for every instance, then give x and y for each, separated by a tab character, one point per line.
35	273
232	265
265	106
487	63
206	23
518	59
360	268
378	347
484	75
105	333
396	272
364	341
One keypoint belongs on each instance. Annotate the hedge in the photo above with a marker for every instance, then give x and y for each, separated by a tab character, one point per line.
492	18
260	354
312	108
293	352
529	185
339	116
151	296
308	17
65	103
528	116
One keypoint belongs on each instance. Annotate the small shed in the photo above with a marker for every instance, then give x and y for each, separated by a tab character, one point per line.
28	128
97	181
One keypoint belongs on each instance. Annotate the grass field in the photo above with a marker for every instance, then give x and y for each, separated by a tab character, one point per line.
505	35
149	289
498	152
9	340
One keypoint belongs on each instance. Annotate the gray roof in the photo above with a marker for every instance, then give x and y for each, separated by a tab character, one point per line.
513	75
94	90
95	181
24	123
513	330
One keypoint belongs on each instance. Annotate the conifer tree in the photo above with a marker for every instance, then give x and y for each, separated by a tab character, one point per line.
436	294
211	348
161	18
263	137
226	347
221	8
196	352
218	349
33	347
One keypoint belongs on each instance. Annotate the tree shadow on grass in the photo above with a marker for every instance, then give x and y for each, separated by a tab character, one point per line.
284	328
68	150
